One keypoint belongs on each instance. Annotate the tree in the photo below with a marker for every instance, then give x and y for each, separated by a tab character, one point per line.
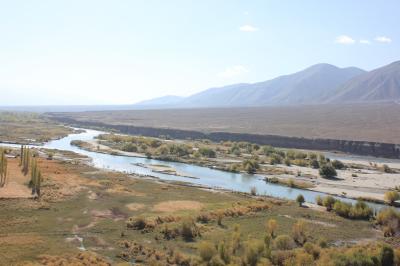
36	178
26	161
3	168
300	200
327	171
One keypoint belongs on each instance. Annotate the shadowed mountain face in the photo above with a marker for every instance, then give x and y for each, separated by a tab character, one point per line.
382	84
309	86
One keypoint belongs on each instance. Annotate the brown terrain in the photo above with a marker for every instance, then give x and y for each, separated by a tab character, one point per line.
378	122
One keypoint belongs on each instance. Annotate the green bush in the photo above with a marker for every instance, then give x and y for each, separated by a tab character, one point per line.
275	159
250	166
338	164
386	255
207	152
283	242
319	200
328	202
327	171
129	147
314	164
300	200
189	230
342	208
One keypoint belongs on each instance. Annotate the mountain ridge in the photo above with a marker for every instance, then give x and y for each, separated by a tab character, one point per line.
317	84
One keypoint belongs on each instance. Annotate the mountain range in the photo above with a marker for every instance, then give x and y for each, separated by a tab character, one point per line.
318	84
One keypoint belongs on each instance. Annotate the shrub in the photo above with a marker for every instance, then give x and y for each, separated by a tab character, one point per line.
137	223
207	152
129	147
318	200
283	242
300	200
250	166
361	211
275	159
206	251
389	218
322	243
220	216
386	255
189	230
338	164
327	171
271	227
224	252
303	259
253	252
299	232
312	249
342	208
314	164
391	196
268	150
253	191
300	162
328	202
387	169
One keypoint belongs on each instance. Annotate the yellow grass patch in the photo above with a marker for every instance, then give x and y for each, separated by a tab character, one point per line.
135	206
177	205
20	239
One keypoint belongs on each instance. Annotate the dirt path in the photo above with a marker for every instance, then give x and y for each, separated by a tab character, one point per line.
16	183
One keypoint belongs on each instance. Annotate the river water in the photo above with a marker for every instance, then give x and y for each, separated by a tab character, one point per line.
197	175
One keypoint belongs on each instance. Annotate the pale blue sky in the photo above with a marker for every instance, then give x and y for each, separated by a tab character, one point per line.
121	52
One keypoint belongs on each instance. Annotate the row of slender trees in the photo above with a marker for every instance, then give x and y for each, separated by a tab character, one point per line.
3	167
29	163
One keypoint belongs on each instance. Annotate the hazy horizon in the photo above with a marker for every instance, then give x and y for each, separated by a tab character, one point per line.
98	53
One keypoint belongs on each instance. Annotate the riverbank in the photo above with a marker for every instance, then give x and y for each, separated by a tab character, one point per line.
359	179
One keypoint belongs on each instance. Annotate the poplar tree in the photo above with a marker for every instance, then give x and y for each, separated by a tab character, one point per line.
36	178
21	155
26	161
3	168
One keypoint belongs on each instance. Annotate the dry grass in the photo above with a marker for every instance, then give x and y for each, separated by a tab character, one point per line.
178	205
135	206
347	122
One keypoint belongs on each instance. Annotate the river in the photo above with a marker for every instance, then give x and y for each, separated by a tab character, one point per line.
197	175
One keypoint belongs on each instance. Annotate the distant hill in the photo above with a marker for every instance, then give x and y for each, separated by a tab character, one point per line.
161	101
382	84
309	86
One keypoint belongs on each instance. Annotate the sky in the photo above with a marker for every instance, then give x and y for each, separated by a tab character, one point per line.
77	52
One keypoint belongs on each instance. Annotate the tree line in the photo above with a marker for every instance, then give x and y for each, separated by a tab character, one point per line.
28	163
